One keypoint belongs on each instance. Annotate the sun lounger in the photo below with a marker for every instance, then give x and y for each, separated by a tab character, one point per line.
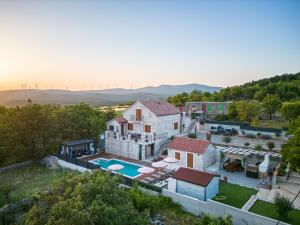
149	179
155	175
162	173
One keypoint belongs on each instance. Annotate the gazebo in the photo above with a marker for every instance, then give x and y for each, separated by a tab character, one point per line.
77	148
252	162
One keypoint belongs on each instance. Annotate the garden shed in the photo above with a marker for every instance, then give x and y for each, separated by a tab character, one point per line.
78	148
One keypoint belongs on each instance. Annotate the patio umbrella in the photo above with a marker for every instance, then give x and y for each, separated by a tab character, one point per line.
160	164
171	160
115	167
145	170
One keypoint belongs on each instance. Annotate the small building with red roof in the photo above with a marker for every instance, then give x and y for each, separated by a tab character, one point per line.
197	184
192	153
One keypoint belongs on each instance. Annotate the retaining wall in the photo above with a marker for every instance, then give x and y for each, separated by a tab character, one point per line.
71	166
239	217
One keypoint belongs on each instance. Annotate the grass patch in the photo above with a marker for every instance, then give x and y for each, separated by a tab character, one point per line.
22	182
268	209
276	123
234	195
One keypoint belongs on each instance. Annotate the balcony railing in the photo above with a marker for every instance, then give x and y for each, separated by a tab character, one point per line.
144	138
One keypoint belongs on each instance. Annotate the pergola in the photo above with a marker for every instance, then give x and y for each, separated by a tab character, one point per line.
247	152
77	148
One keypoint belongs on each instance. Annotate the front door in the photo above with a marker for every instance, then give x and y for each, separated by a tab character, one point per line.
190	160
122	129
152	150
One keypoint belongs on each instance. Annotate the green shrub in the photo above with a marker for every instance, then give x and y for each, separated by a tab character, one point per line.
282	168
270	145
246	144
283	205
226	139
165	152
258	147
192	135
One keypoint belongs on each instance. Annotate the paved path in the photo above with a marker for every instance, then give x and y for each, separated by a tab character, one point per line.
250	203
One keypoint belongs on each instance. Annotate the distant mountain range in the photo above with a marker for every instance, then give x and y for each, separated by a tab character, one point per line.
96	97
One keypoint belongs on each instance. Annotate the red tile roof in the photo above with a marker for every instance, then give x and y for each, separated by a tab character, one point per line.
197	177
121	120
160	108
189	145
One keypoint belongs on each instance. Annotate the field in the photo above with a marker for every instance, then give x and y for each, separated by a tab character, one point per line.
22	182
234	195
268	209
275	123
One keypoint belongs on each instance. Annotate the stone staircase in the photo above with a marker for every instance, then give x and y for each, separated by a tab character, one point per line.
162	147
191	127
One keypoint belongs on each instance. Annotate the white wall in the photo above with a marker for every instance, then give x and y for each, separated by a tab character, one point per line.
125	148
192	190
159	124
200	162
239	217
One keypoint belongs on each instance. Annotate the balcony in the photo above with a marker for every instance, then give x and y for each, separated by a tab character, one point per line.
132	137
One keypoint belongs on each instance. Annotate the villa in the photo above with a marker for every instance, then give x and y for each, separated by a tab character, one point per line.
144	127
192	153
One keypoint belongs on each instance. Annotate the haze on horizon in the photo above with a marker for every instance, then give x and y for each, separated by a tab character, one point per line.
79	45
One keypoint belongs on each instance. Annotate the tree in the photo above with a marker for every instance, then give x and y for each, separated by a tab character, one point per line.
291	149
248	111
283	205
271	104
232	111
270	145
291	110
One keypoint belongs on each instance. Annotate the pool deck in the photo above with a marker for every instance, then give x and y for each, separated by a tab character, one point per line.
111	156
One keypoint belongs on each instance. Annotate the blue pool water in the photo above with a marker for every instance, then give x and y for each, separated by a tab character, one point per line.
129	170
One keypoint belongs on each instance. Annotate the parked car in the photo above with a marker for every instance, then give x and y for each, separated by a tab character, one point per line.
230	132
217	130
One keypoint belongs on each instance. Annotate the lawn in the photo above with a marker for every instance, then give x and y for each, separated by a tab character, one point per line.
268	209
276	123
22	182
234	195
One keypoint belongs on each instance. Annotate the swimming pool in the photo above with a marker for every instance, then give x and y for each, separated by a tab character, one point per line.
129	170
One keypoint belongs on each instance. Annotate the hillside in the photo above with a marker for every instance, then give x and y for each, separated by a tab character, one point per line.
95	97
286	87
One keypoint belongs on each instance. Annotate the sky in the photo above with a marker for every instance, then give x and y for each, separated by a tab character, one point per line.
81	45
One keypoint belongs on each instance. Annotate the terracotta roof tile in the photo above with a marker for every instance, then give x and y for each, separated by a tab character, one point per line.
121	120
189	145
197	177
160	108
